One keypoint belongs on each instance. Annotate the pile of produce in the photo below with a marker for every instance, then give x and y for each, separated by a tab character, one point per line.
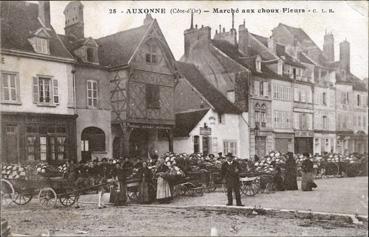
47	170
270	162
13	171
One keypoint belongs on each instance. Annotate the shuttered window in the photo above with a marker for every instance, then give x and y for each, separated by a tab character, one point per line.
45	91
10	87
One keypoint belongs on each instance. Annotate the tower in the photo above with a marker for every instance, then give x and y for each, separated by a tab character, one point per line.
74	25
345	55
328	47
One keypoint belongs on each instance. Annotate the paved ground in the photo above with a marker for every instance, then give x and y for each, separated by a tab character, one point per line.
345	195
137	220
333	195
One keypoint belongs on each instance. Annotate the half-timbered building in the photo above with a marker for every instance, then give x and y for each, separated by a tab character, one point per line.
142	78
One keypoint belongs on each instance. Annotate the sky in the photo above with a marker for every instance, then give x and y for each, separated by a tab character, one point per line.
349	21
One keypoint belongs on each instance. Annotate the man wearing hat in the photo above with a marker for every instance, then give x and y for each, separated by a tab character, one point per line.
230	172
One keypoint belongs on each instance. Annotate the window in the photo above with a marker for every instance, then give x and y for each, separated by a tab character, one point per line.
324	98
325	122
257	114
265	89
10	87
152	96
230	146
151	55
31	148
257	88
196	144
90	55
358	100
92	93
41	45
263	115
221	118
45	91
294	73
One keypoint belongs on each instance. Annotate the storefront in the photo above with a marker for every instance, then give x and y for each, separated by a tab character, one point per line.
28	137
284	142
304	142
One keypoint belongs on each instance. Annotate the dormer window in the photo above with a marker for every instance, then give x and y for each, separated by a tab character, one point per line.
41	45
258	64
90	55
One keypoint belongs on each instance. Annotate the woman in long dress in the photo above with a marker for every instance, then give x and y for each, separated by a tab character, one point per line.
145	184
307	182
291	173
163	194
120	195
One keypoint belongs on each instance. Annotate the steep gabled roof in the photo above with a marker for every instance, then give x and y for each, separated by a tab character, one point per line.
117	49
262	39
187	121
216	99
19	21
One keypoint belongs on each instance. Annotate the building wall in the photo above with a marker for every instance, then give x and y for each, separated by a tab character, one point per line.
228	131
60	71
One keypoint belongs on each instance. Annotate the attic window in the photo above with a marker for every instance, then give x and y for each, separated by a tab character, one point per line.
151	55
90	55
41	45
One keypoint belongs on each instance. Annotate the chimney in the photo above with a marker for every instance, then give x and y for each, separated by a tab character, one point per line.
328	47
148	19
345	55
194	35
243	38
272	44
44	12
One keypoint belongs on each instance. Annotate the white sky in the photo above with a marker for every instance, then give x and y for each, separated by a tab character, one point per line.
349	20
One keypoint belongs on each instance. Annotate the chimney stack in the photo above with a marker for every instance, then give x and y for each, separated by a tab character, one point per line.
328	47
195	35
74	23
243	38
345	55
44	12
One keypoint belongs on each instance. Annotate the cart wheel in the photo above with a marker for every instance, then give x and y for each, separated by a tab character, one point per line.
133	196
7	193
47	198
200	191
249	190
268	188
210	188
69	198
22	198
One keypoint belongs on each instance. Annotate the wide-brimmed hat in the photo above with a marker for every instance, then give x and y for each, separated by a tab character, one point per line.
229	154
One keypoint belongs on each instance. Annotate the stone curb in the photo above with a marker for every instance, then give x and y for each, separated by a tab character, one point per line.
279	213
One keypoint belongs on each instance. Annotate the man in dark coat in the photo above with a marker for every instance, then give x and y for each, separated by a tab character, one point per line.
230	172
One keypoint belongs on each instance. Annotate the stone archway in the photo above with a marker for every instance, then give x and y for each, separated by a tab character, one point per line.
92	140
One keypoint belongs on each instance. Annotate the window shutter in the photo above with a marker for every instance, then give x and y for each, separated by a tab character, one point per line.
55	91
35	90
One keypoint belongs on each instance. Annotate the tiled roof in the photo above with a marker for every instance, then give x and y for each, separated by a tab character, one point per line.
304	38
304	59
216	99
248	62
262	39
117	49
281	52
187	121
19	20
